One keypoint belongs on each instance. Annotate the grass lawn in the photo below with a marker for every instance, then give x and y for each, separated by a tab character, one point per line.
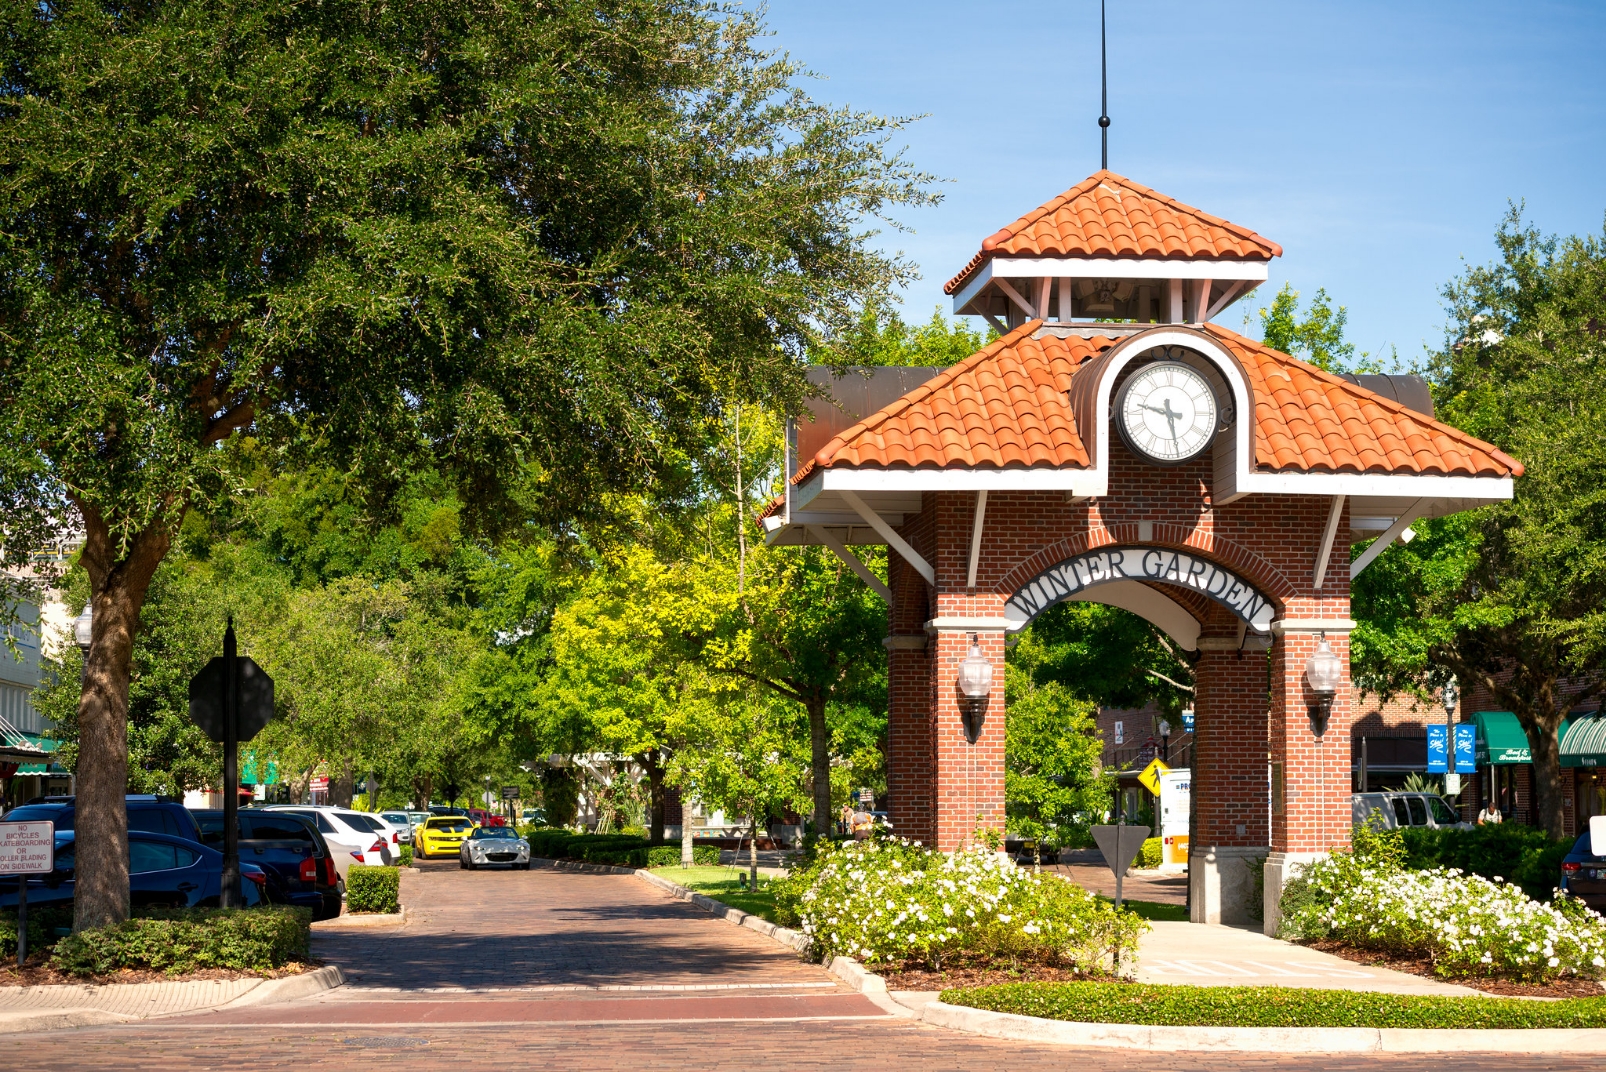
722	884
1170	913
1271	1006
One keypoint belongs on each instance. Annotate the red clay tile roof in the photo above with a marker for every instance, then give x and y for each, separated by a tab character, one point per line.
1107	215
1007	407
1003	407
1307	420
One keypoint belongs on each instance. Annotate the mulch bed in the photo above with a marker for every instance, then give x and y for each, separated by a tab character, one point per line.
1569	987
918	977
38	972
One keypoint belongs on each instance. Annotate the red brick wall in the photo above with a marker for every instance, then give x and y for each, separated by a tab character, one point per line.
1315	814
1229	768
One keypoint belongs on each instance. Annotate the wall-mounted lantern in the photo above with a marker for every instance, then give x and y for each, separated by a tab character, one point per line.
975	685
1324	670
83	627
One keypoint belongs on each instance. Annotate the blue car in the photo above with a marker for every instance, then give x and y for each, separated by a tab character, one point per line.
300	865
163	872
1583	875
157	815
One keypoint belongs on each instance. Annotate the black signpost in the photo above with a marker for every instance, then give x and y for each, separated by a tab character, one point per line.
231	699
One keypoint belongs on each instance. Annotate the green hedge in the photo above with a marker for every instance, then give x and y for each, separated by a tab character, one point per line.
373	889
1270	1006
43	922
617	850
1521	854
1152	854
406	857
185	940
669	856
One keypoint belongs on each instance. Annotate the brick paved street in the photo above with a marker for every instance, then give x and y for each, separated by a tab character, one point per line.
559	970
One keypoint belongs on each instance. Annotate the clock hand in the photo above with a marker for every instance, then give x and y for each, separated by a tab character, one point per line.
1171	419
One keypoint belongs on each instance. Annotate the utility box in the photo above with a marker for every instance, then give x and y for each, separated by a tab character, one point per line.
1176	792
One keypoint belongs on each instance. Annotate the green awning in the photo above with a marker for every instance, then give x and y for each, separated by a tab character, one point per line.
248	772
1584	743
1501	739
44	744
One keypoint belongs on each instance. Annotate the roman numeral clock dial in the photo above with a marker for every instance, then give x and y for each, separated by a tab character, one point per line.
1166	412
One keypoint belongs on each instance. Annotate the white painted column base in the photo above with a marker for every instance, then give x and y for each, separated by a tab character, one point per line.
1219	884
1281	868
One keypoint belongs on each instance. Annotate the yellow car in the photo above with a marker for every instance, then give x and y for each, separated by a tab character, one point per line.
442	835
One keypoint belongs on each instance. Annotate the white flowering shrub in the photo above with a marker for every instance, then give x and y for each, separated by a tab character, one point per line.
1467	925
889	901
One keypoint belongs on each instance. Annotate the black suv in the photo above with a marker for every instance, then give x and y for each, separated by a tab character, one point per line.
152	814
300	866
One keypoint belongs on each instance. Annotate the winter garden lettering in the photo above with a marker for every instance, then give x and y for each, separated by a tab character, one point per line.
1064	580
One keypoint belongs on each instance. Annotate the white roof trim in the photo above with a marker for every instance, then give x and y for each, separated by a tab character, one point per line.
1078	481
1003	266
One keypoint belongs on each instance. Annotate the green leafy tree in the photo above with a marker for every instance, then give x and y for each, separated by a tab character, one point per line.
1107	655
532	246
881	337
1052	776
1511	597
1316	336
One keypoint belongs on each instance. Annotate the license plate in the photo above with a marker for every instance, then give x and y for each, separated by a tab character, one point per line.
1597	875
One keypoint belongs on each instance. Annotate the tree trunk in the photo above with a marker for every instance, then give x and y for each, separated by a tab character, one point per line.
820	763
118	588
686	856
655	794
342	788
1547	770
752	857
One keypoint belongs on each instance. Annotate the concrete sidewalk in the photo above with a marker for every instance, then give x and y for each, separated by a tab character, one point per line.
1201	955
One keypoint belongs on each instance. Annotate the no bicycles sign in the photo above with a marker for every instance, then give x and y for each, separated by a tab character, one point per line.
27	848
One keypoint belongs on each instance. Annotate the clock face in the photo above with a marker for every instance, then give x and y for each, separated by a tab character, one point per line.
1167	412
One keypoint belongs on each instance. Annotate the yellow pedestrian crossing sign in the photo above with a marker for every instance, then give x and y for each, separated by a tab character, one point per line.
1151	776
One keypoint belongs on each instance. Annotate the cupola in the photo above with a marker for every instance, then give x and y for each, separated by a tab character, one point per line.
1112	249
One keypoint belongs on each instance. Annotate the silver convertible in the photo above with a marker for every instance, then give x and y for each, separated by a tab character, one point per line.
489	845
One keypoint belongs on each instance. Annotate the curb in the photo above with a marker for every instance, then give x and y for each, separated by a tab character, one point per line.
57	1020
358	920
793	940
1017	1028
290	987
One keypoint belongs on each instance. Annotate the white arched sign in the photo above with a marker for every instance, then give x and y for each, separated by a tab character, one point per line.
1157	565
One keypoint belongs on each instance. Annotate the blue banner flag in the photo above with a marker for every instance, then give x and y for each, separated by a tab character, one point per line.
1438	749
1466	747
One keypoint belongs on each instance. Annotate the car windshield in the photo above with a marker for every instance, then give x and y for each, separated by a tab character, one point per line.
394	817
450	826
359	822
495	832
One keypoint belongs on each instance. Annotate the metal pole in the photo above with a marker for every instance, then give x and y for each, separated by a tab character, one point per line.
229	895
1104	97
22	920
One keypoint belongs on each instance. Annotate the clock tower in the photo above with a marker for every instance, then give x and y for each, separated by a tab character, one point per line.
1114	445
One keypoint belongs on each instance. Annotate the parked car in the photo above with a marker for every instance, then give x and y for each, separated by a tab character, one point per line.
442	835
163	872
486	818
533	816
156	815
402	821
442	809
488	845
1583	874
390	836
352	842
299	863
1406	809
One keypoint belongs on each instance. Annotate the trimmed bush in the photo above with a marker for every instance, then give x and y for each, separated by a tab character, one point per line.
43	921
185	940
891	901
669	856
1502	851
406	857
373	889
1270	1006
1152	854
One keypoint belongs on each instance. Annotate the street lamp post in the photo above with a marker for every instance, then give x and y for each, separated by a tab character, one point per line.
1452	776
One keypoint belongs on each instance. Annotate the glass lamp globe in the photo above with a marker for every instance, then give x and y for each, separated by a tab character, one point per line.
976	673
1324	670
1452	693
83	627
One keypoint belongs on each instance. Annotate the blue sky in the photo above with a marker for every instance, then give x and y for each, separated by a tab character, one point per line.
1378	142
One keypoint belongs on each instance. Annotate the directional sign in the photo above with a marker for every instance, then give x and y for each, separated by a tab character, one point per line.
1151	776
256	698
510	792
27	848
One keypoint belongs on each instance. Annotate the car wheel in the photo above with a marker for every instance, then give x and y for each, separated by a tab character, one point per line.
462	863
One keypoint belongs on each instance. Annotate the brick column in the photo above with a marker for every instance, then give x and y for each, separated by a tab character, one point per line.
1229	784
911	752
1310	770
969	775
